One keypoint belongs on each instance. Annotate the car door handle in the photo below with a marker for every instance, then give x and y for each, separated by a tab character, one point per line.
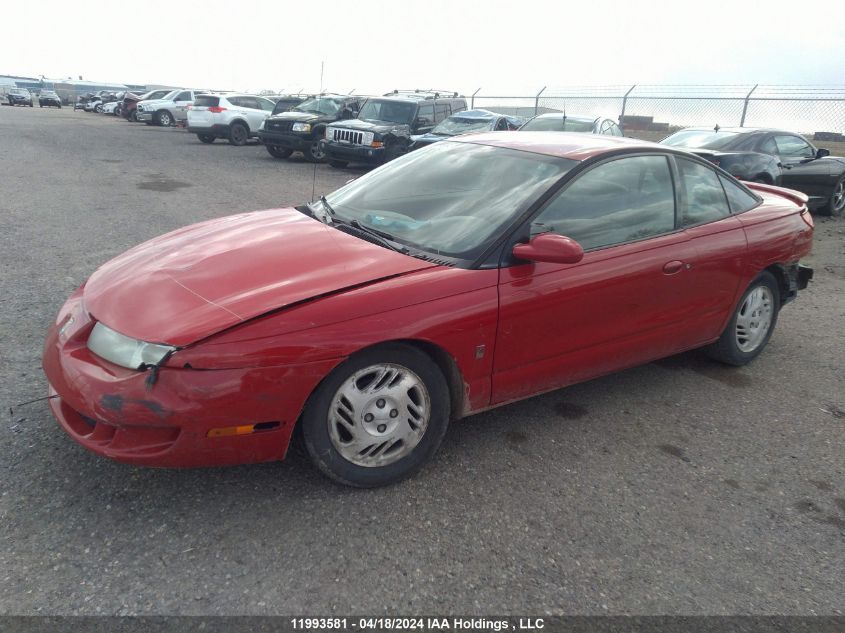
675	266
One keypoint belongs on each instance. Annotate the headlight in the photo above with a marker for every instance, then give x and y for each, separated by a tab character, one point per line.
301	127
124	351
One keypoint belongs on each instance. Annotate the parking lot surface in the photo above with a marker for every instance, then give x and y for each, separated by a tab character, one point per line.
679	487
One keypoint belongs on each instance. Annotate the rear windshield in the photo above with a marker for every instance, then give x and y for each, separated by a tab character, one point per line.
560	123
207	101
700	139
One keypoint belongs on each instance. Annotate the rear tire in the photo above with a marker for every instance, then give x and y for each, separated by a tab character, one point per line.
752	324
835	207
206	138
338	164
313	153
278	152
238	134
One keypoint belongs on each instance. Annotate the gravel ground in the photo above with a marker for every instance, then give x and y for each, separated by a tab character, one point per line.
679	487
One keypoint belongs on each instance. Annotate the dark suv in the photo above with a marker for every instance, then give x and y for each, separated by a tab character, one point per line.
20	96
385	124
301	128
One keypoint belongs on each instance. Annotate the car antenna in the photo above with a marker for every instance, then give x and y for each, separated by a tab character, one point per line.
319	98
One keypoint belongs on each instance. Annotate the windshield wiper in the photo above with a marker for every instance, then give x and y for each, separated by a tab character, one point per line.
330	213
380	236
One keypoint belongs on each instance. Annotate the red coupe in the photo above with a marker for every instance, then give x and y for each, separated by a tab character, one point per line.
463	276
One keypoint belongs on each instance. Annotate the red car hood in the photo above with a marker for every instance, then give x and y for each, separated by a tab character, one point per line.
191	283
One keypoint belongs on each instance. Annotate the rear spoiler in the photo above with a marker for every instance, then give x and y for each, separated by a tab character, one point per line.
790	194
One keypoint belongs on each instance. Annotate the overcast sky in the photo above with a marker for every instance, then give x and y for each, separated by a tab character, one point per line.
513	47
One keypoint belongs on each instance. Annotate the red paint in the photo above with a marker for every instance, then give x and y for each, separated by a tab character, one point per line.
191	283
266	304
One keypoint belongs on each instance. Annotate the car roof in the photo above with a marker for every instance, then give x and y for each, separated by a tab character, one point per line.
732	130
574	117
572	145
479	114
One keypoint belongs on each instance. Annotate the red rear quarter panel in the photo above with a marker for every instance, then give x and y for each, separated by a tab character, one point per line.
779	231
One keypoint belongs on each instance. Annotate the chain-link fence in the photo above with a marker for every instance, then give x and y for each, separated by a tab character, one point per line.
659	109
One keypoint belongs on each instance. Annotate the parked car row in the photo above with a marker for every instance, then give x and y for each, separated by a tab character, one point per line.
343	129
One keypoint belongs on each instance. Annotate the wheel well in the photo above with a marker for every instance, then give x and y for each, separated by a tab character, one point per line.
450	371
781	274
438	355
241	121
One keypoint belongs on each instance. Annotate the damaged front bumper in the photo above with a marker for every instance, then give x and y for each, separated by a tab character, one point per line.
182	419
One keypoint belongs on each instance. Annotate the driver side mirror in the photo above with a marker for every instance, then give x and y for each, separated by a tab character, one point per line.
821	152
550	247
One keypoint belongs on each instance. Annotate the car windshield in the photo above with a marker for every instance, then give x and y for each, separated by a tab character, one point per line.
560	123
17	91
700	139
383	110
449	198
320	106
169	95
457	125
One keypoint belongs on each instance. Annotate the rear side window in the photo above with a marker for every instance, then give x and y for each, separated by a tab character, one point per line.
208	102
442	111
283	105
705	199
183	96
426	114
625	200
738	198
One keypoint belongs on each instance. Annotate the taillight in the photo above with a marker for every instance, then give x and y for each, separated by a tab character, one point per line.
216	109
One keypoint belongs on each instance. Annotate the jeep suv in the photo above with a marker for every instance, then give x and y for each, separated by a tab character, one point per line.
385	124
236	117
303	127
168	110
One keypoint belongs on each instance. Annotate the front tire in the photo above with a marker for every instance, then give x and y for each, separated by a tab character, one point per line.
378	417
163	118
206	138
238	134
752	324
278	152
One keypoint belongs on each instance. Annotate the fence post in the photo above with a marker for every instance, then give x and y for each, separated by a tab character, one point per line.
537	101
624	103
745	105
472	100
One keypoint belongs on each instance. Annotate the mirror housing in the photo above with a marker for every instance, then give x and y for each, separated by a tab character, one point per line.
551	248
822	152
